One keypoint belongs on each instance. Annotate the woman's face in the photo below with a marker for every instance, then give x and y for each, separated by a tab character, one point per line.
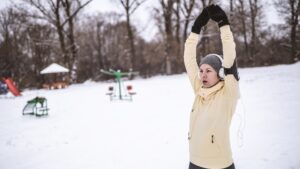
208	76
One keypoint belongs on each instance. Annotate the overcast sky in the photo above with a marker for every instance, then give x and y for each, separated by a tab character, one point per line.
142	16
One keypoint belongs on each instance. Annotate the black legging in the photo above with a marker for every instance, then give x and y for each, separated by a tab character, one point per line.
193	166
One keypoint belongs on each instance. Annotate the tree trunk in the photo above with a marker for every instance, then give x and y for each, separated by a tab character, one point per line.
295	12
242	14
70	35
253	14
178	46
188	8
131	41
130	6
231	9
177	26
205	40
60	33
101	60
167	14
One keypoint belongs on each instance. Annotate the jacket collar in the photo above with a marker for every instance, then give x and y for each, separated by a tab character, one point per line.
206	92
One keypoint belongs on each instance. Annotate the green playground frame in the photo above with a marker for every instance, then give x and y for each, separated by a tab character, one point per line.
119	91
37	106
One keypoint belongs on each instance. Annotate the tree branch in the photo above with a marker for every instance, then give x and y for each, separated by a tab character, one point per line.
137	5
76	11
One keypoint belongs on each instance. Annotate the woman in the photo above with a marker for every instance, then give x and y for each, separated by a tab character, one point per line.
216	95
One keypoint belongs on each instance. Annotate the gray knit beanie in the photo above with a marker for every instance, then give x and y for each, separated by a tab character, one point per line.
213	61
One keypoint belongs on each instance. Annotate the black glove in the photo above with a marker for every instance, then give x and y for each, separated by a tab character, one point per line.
200	21
216	13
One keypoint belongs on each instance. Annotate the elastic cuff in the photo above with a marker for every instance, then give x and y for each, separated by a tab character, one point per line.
223	23
194	36
225	29
196	30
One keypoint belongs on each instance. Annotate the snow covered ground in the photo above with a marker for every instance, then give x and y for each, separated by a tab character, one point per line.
84	130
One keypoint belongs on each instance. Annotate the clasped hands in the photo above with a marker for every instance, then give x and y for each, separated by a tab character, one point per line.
214	12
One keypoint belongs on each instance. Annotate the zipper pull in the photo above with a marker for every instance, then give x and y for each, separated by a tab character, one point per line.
212	138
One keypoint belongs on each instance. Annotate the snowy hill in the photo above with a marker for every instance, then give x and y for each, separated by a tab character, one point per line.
84	130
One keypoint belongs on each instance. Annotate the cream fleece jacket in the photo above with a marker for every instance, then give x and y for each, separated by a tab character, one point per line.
213	107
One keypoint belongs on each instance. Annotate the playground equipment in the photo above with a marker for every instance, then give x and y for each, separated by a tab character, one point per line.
119	92
3	88
12	88
37	106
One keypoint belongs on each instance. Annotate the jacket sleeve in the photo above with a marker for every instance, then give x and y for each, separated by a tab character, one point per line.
229	54
190	61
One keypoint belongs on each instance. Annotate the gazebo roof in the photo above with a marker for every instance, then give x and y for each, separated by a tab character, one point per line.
54	68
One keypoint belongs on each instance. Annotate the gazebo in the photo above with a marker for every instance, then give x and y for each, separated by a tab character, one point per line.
55	70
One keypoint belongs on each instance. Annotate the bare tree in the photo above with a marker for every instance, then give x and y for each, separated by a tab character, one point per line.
7	30
186	9
290	10
231	5
130	7
39	37
22	49
255	17
177	12
100	39
104	46
95	44
242	17
13	34
177	45
205	40
167	9
70	15
61	13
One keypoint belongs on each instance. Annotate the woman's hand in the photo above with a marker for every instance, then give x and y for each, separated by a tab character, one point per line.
216	13
201	21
